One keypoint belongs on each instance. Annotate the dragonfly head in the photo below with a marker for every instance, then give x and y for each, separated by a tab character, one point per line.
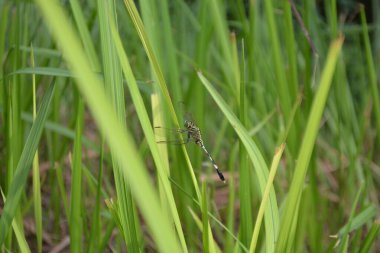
187	124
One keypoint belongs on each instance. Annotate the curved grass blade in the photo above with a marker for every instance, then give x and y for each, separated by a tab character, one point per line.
289	220
20	236
75	219
263	205
271	216
370	239
150	137
118	137
36	174
371	72
115	90
24	164
160	80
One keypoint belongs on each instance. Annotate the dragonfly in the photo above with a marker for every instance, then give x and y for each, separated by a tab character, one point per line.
194	134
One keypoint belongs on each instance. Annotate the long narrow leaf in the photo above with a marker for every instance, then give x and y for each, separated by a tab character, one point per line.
76	185
36	176
132	10
263	205
289	218
271	216
118	138
146	125
24	165
115	91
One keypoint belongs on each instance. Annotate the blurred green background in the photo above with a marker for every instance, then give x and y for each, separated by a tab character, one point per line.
285	94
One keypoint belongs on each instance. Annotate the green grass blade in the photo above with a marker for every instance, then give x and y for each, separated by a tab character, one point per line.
344	233
36	176
199	223
94	240
228	64
371	72
160	79
289	219
24	165
263	205
205	223
76	223
283	91
244	169
271	216
359	220
371	237
115	90
152	58
118	137
85	34
47	71
17	229
147	128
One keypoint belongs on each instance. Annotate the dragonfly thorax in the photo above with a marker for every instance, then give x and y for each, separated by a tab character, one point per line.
193	132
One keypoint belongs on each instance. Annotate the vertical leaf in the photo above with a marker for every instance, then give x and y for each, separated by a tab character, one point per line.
289	218
76	223
24	165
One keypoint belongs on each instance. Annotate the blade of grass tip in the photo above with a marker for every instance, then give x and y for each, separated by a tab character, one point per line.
371	72
76	222
24	164
117	136
36	173
271	217
21	241
112	208
285	238
132	10
264	201
162	170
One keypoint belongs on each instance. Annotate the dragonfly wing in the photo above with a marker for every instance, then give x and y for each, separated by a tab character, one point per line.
163	131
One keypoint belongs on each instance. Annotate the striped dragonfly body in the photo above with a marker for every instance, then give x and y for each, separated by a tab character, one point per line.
194	133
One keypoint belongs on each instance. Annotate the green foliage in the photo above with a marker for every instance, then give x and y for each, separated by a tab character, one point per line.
285	94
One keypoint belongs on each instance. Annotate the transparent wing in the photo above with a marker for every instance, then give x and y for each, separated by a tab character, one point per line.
173	133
